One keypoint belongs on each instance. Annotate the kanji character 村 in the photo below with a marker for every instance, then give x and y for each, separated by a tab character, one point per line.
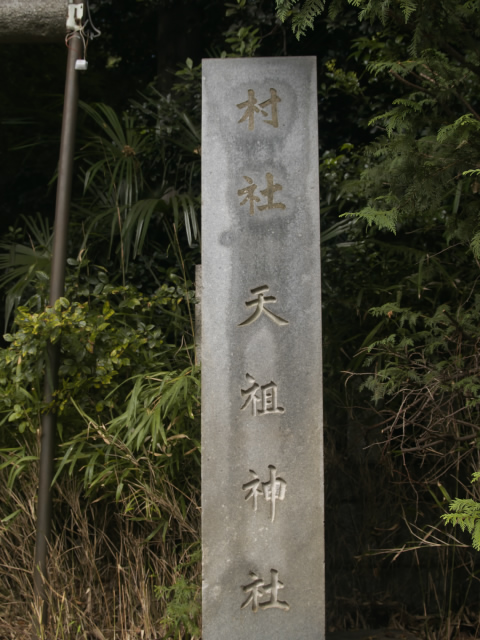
250	106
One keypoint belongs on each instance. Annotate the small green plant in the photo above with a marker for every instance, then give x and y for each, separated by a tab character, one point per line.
466	513
182	609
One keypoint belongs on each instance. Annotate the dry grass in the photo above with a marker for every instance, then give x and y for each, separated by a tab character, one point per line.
104	564
111	564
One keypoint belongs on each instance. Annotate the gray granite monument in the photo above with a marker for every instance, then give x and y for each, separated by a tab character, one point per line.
262	458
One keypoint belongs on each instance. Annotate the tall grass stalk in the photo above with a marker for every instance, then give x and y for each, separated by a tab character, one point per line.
104	564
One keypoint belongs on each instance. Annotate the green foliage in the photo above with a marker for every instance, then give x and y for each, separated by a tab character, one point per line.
409	264
398	93
304	14
118	149
128	394
250	29
466	513
25	267
431	353
244	42
120	376
383	219
156	427
103	330
304	17
118	173
345	81
422	169
183	608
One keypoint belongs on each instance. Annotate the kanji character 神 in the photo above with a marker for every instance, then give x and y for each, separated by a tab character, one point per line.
272	490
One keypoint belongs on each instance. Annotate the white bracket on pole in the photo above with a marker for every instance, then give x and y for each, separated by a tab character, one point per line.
75	15
74	23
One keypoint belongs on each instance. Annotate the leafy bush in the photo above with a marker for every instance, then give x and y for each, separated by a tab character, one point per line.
466	513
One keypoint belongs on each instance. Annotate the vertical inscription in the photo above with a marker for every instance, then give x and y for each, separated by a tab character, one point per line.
263	399
261	449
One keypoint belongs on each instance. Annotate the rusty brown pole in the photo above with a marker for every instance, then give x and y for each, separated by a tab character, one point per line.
57	289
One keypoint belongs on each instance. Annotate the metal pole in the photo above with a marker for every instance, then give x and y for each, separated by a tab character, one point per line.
57	289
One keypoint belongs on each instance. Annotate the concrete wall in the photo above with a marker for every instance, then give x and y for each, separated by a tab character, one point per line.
32	20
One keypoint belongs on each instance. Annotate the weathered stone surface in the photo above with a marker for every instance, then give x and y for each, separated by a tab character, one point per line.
33	20
261	352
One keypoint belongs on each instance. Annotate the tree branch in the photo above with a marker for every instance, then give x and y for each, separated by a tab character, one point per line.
400	78
456	54
467	105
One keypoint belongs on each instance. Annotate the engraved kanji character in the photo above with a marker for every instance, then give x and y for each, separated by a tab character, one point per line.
253	488
261	303
274	489
266	403
273	100
250	106
273	589
255	591
258	589
268	193
249	194
250	110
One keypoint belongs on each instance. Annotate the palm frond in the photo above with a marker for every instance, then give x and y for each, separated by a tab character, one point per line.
22	264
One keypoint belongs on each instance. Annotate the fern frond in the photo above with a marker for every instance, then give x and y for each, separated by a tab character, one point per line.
283	9
386	219
408	7
467	121
302	20
476	536
466	513
475	245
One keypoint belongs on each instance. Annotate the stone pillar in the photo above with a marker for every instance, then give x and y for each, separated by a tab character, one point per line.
262	459
33	20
